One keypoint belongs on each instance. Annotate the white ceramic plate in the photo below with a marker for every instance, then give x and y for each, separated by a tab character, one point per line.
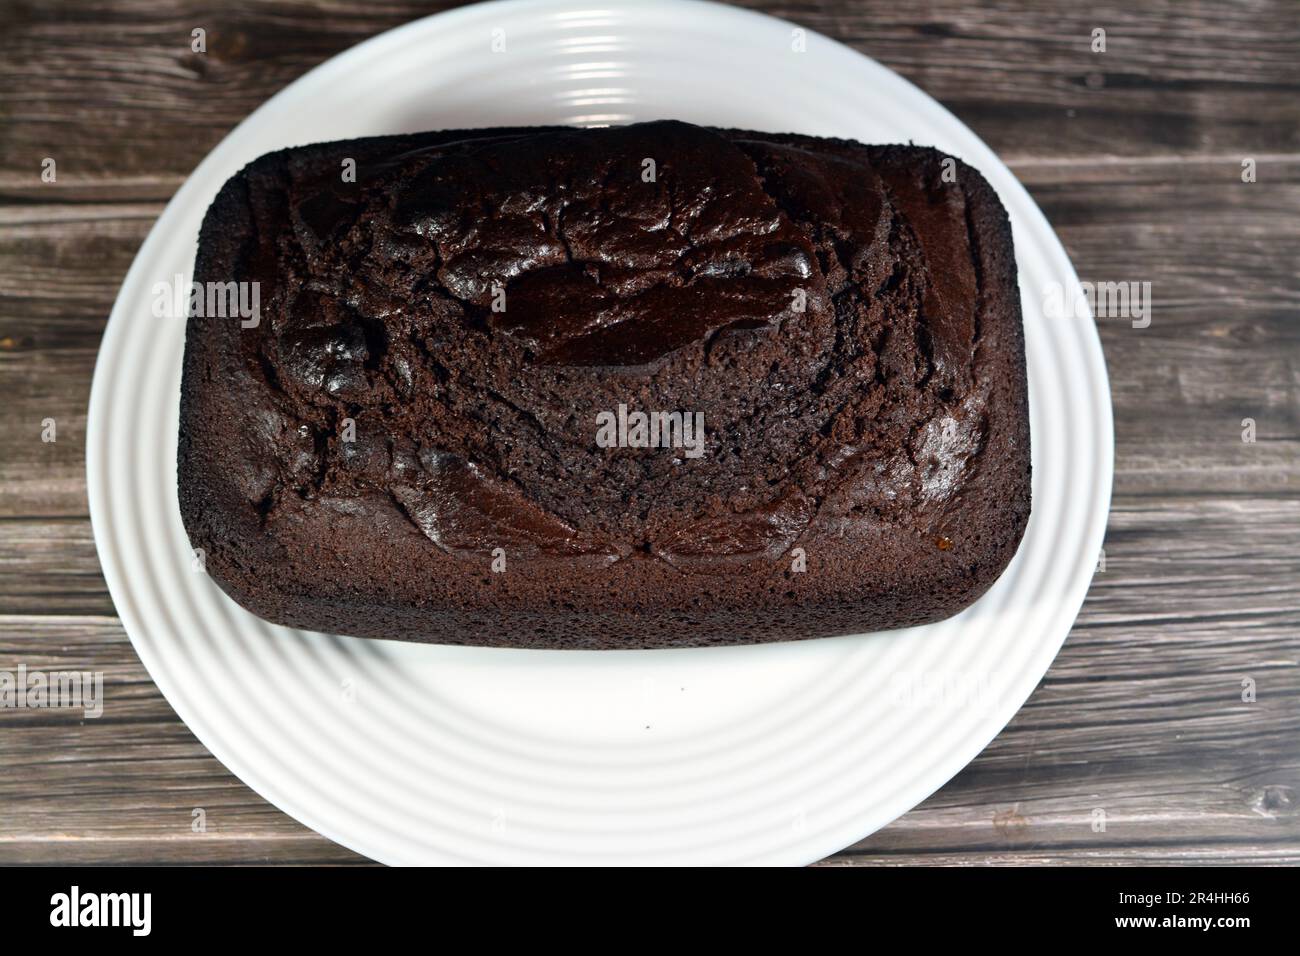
781	753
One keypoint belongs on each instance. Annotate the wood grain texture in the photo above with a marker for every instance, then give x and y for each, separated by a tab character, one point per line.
1134	155
1178	78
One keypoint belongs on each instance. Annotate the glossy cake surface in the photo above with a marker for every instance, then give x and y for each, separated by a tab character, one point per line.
407	442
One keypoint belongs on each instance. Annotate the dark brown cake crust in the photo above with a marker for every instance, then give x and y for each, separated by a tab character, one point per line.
880	436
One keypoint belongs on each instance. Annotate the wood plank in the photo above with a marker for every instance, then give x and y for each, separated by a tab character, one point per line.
122	787
41	478
1140	715
303	848
1222	346
1163	856
61	265
49	566
1176	79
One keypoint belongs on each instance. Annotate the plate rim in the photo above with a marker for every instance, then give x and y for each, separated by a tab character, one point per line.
857	825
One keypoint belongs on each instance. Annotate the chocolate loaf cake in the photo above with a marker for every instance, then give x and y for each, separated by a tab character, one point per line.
649	386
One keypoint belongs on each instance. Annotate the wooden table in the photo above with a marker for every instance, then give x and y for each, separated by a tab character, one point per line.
1135	154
